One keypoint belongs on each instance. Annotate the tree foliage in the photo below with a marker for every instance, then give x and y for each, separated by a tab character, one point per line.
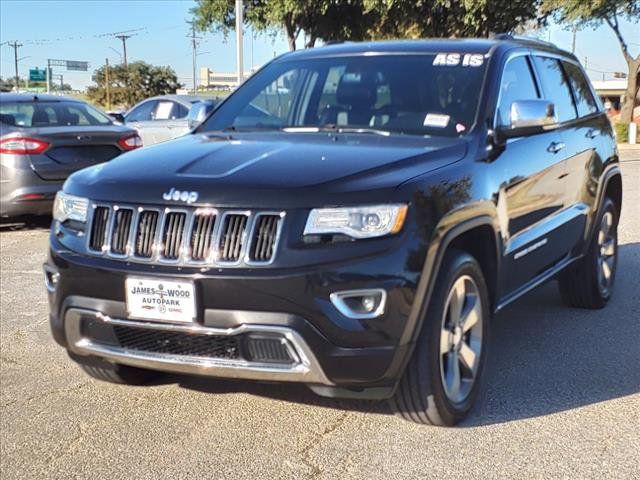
448	18
593	13
368	19
128	86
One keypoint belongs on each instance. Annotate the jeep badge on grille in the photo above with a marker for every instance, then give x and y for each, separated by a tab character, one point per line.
183	196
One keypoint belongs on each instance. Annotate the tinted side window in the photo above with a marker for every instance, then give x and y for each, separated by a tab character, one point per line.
584	98
555	87
142	113
516	84
179	111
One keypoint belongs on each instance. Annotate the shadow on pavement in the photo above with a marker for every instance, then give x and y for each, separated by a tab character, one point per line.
544	358
26	222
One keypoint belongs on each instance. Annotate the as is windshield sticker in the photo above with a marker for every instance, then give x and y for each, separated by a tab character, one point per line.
454	59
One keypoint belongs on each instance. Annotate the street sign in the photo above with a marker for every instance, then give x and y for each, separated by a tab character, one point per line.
37	75
77	66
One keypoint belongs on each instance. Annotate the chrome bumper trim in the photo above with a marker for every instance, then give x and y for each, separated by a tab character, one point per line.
305	369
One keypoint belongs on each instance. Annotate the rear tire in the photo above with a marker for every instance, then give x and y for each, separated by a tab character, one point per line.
441	381
588	283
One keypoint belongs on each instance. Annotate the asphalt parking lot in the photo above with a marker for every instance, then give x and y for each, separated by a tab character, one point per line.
561	400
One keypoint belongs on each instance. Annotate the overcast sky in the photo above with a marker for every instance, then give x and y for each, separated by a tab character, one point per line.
79	30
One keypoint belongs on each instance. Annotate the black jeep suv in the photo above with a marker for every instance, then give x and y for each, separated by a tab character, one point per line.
349	218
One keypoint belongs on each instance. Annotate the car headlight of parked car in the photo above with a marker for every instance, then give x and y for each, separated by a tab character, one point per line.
69	207
357	222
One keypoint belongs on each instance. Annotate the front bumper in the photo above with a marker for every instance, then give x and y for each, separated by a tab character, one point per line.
303	368
336	355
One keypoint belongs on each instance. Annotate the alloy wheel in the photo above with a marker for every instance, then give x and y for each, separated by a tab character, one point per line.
606	254
461	339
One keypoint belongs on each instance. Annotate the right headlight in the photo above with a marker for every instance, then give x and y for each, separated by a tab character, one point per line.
69	207
357	222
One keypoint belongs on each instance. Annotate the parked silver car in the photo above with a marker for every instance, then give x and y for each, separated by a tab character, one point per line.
45	138
161	118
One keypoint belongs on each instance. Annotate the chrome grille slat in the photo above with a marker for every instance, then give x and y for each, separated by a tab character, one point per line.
183	236
121	231
99	224
145	233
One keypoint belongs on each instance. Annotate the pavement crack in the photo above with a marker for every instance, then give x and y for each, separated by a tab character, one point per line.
316	471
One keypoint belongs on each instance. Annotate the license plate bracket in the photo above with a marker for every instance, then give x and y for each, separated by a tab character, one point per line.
161	300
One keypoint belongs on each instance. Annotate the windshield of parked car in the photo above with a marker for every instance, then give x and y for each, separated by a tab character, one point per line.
420	94
50	114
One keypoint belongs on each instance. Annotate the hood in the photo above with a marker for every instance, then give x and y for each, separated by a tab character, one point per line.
266	169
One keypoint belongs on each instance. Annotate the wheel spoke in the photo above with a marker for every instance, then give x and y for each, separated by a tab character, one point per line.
457	302
608	248
468	356
606	270
445	343
472	315
605	225
453	375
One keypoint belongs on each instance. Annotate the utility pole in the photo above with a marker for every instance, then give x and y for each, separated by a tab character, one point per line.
106	82
15	46
124	39
48	75
239	60
194	47
573	43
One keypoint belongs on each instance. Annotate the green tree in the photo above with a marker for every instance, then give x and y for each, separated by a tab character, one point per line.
368	19
319	19
448	18
595	12
128	86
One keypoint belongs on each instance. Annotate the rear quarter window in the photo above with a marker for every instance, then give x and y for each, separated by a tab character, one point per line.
585	102
555	86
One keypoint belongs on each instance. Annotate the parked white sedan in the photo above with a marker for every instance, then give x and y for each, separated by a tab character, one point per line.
161	118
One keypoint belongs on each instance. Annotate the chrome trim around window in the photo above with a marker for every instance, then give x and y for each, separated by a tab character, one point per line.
305	368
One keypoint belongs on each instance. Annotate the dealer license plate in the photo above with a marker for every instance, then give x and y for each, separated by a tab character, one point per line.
164	300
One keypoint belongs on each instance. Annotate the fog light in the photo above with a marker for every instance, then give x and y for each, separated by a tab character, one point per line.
360	304
51	278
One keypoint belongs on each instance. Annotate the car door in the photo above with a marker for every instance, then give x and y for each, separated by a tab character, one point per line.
177	123
140	117
169	121
579	136
584	142
531	196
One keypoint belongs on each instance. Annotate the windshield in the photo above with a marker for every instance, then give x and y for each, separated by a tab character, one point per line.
425	94
37	114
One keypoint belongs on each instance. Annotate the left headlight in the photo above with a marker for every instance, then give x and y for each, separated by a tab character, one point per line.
69	207
357	222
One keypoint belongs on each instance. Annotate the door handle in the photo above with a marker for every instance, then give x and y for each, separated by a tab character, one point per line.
555	147
592	133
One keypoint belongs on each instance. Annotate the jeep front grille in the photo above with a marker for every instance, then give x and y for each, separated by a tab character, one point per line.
184	235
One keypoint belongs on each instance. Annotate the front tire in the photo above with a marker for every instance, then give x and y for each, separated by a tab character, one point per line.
441	381
588	283
114	373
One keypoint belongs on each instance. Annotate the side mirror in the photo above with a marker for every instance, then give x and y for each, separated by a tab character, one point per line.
116	116
198	112
529	117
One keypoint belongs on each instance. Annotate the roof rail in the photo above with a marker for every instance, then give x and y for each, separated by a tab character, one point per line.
521	39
